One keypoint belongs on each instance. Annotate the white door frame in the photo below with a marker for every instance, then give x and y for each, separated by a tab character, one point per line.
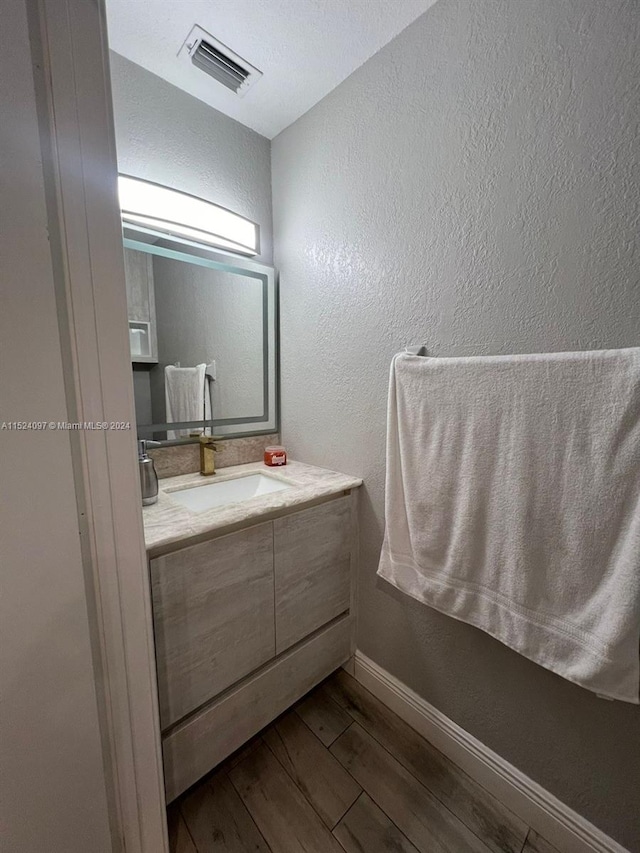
70	61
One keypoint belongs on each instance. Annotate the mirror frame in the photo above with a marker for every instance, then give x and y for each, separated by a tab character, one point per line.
269	420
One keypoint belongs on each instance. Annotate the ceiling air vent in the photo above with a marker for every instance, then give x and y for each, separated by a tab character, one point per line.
218	61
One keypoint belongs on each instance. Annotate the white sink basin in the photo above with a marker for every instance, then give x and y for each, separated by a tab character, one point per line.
208	495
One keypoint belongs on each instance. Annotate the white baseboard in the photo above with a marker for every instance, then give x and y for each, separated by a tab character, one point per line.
555	821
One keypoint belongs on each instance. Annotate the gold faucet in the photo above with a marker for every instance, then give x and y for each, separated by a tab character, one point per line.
208	450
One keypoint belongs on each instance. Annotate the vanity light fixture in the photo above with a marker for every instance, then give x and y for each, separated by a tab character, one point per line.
156	208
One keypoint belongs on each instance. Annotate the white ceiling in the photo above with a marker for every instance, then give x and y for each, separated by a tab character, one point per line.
304	48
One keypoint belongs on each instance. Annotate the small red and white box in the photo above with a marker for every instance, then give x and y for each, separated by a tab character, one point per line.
275	455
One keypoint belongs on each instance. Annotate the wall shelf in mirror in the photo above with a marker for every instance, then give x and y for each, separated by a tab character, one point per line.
138	272
140	342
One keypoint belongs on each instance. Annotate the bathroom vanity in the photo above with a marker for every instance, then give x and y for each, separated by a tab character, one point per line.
253	603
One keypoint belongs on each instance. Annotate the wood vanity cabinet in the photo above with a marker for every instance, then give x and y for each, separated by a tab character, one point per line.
245	624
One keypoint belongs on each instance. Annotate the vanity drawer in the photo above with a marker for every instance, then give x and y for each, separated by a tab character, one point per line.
312	559
195	746
213	617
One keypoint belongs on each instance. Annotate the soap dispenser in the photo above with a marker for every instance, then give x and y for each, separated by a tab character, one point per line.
148	476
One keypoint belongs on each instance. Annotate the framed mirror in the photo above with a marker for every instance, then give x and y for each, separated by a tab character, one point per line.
204	340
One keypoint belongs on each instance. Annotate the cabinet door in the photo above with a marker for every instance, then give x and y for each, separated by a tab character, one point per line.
312	557
213	617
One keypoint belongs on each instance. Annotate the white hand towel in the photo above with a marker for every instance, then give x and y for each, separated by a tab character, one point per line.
513	503
186	397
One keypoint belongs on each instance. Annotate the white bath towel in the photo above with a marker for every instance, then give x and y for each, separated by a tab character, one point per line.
513	503
186	397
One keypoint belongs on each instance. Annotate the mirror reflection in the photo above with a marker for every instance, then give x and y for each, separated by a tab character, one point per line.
202	336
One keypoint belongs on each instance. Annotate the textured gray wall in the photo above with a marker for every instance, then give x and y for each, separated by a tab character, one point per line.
167	136
473	186
142	394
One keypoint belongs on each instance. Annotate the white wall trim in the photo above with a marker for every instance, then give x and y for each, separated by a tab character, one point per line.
554	820
69	55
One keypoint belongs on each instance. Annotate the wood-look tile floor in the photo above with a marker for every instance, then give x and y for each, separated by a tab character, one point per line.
341	772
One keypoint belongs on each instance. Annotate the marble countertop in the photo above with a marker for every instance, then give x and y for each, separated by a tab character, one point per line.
167	522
